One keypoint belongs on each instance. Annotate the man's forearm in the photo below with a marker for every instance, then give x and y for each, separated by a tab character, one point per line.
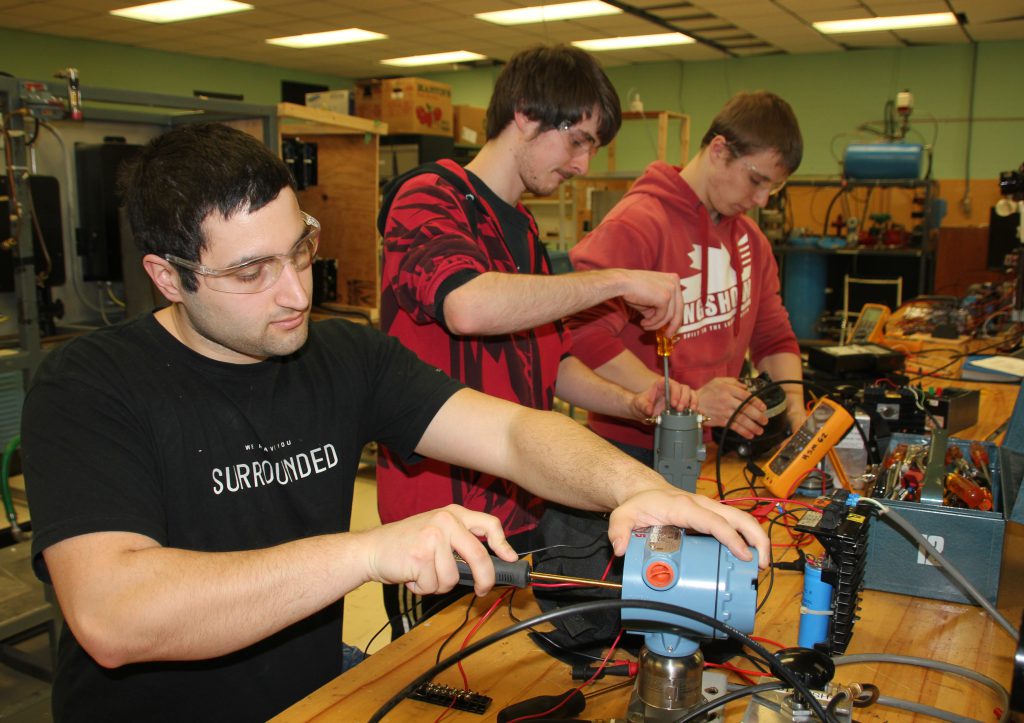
130	600
628	371
565	462
579	385
559	460
544	452
786	366
497	303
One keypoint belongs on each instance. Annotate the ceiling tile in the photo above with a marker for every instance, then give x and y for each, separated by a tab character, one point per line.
983	11
997	31
906	7
434	25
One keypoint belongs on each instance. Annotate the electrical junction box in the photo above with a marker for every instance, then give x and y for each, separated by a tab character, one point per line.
99	233
952	408
986	547
854	358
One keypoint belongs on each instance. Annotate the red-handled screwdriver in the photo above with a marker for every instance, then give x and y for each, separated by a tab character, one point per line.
980	458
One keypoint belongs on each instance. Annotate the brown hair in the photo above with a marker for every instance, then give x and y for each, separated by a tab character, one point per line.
552	84
759	121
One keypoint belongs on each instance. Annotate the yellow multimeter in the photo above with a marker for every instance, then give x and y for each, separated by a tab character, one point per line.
825	426
870	326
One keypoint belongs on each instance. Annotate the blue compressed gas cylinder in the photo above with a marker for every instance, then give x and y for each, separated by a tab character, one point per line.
883	160
803	293
815	606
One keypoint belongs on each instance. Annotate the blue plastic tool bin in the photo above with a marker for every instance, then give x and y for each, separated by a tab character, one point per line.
986	547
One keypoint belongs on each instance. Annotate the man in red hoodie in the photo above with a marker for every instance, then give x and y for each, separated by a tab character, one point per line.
692	222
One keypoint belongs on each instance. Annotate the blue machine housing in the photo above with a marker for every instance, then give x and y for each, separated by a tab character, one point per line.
666	565
884	161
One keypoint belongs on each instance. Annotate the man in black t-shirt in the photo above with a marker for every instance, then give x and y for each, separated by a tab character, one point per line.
190	472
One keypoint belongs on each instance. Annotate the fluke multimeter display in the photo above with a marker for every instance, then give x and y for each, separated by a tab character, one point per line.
870	324
824	427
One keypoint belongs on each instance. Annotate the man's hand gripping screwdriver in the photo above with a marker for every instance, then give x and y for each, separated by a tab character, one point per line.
519	574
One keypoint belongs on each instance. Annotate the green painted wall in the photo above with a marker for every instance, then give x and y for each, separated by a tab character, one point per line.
110	65
832	94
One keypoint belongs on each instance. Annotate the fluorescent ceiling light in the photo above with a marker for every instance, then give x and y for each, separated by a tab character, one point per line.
895	22
173	11
634	41
455	56
330	37
545	13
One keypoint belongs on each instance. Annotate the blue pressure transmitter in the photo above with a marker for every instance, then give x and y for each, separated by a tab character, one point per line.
667	565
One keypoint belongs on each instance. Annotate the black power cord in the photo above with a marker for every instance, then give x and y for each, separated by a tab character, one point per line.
780	671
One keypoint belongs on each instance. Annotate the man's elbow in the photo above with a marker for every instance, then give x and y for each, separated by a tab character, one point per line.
464	318
99	637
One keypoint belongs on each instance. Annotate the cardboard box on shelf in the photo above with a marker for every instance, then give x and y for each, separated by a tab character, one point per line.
407	105
336	101
470	125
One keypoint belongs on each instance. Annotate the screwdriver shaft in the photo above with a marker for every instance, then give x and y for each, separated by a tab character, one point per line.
589	582
668	393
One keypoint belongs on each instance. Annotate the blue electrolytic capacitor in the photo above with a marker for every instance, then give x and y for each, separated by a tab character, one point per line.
815	606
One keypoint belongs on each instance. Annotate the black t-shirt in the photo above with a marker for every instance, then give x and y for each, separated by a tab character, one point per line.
127	429
515	225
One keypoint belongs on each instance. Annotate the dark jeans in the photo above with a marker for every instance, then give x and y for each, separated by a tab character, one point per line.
351	656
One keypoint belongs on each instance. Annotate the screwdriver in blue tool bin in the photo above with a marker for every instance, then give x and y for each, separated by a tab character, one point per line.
519	574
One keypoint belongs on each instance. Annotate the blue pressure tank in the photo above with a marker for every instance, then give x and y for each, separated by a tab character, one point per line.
804	291
883	161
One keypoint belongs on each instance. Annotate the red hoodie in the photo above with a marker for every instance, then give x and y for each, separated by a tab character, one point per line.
661	225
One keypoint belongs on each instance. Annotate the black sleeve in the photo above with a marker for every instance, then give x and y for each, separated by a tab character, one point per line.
404	393
87	459
448	286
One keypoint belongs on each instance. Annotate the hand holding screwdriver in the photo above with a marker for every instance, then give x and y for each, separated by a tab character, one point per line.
514	574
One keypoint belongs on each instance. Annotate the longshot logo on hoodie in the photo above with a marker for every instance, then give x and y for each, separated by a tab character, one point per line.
712	305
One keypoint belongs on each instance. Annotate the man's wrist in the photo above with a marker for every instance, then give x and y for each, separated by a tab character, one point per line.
615	283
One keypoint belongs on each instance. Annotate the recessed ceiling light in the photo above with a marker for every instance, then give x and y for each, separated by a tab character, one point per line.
173	11
455	56
544	13
634	41
330	37
894	22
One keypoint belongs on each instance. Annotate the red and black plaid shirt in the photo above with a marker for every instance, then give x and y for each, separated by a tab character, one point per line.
438	236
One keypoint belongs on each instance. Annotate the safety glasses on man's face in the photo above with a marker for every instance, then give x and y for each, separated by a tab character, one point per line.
579	141
256	275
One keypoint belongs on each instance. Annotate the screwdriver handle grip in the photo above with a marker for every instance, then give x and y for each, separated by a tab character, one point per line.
514	574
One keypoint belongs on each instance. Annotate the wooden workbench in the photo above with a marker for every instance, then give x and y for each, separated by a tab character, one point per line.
514	669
